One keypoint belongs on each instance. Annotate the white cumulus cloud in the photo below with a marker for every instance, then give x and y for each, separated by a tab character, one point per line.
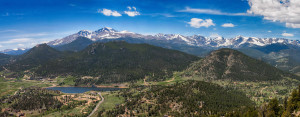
228	25
133	8
129	8
285	11
132	11
287	34
197	23
108	12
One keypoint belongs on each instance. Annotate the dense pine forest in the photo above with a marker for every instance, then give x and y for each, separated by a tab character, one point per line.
36	101
4	59
36	56
32	98
106	62
290	108
233	65
190	98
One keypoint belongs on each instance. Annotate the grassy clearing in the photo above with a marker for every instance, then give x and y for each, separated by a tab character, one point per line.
110	101
66	81
298	74
85	103
71	112
176	78
9	87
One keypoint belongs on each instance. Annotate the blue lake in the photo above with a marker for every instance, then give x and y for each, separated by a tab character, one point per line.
81	89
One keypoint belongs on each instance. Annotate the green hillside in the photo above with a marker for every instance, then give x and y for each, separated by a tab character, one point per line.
4	58
189	98
234	65
233	69
105	62
36	56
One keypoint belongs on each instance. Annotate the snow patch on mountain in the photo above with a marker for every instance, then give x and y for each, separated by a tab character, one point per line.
195	40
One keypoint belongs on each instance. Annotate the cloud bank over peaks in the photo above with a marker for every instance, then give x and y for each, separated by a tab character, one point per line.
287	34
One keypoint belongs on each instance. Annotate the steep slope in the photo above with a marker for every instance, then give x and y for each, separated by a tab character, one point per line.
77	45
297	68
272	48
4	58
234	65
283	56
118	62
36	56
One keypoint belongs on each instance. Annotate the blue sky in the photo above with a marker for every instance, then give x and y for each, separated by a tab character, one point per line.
25	23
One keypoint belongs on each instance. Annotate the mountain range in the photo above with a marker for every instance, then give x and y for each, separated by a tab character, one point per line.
279	52
195	40
108	34
17	51
119	61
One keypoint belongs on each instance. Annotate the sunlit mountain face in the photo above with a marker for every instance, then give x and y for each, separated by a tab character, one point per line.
144	58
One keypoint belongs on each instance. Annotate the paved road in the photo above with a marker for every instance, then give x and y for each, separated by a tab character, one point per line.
97	106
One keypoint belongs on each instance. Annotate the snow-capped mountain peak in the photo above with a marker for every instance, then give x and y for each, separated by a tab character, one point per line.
21	49
106	29
16	51
125	31
85	33
195	40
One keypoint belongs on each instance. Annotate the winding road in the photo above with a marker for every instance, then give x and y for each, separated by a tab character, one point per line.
97	106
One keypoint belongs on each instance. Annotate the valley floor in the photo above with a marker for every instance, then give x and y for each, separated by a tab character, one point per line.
258	92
